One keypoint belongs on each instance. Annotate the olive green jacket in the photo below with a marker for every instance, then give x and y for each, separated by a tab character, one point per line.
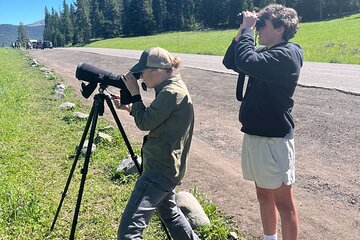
170	122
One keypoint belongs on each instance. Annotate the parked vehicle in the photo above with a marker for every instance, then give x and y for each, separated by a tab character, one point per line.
47	44
38	45
32	43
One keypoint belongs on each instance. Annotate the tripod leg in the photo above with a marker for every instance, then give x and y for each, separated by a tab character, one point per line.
78	151
97	105
123	134
133	156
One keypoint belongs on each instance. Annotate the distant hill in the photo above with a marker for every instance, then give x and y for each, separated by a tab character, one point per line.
38	23
9	32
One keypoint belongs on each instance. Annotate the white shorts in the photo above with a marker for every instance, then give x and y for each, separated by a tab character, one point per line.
268	161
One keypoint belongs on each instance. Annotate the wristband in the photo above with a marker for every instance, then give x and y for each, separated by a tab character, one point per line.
136	98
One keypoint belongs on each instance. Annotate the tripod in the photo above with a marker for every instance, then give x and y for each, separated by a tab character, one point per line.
96	110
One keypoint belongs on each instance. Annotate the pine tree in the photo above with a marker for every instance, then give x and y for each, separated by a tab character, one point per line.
198	12
56	36
47	33
112	19
190	9
249	5
75	39
126	18
215	13
264	3
82	21
22	34
97	19
288	3
174	18
160	13
235	7
66	24
139	18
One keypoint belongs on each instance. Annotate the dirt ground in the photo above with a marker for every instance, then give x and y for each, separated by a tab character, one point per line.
327	189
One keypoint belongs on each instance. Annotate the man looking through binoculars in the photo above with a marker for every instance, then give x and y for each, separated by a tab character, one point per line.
170	121
268	152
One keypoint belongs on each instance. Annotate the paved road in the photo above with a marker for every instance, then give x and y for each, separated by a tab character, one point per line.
344	77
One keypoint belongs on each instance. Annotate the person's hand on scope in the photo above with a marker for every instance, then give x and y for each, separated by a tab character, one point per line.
131	83
118	105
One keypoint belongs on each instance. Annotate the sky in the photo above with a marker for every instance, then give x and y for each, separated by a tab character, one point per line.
27	11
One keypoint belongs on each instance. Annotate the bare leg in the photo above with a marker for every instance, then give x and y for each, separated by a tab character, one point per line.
268	211
285	204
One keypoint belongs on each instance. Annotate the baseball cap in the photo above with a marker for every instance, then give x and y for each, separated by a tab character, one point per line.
155	57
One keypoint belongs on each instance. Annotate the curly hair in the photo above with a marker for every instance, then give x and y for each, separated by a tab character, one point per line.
281	16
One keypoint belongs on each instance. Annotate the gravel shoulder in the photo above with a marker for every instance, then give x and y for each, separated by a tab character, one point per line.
327	189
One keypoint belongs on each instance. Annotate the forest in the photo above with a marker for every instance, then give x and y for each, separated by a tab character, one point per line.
88	20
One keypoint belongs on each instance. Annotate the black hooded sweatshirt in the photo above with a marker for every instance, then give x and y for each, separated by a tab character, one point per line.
273	75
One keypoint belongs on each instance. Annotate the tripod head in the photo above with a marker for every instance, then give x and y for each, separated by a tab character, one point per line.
102	88
100	97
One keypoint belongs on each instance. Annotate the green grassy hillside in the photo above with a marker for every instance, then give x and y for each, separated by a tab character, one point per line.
335	41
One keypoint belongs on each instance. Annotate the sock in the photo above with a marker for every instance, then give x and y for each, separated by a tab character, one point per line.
270	237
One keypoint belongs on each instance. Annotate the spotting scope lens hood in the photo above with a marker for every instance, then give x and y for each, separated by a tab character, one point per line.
92	74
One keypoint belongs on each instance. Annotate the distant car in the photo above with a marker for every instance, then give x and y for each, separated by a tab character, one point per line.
32	43
38	45
46	44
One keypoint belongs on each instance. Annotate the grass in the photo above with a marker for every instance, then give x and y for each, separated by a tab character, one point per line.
334	41
203	42
37	140
36	144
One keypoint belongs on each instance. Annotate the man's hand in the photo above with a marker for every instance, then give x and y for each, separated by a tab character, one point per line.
131	84
249	19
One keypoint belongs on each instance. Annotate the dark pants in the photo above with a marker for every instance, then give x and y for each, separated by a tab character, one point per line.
153	192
